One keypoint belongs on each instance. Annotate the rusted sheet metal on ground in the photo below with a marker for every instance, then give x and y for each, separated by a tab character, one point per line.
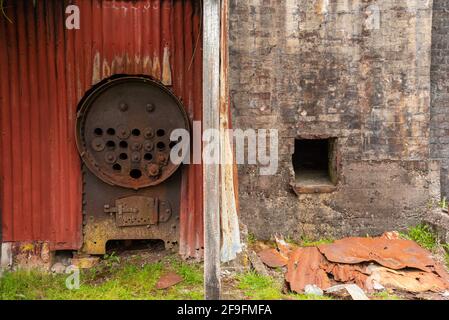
168	280
284	247
47	71
406	280
348	273
272	258
394	254
307	266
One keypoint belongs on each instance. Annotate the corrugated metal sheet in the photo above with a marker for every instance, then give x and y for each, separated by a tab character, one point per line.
45	70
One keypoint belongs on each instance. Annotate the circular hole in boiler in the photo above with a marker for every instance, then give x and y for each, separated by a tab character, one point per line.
135	132
123	144
98	131
123	156
148	156
135	173
111	131
160	132
117	167
110	144
160	145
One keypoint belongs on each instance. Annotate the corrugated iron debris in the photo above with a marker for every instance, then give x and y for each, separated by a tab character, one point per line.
307	266
168	280
394	254
47	74
273	258
368	264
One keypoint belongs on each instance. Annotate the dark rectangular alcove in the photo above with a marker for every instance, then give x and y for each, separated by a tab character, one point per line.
314	163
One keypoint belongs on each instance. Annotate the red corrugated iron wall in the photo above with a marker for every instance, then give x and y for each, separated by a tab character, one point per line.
45	69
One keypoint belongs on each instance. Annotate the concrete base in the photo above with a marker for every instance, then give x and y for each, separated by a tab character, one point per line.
85	261
6	255
439	220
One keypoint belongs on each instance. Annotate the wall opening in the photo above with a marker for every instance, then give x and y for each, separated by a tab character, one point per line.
314	163
148	245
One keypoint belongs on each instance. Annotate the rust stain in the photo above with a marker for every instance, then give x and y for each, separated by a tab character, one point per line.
32	255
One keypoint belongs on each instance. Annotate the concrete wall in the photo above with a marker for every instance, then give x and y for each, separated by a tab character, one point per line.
440	90
352	69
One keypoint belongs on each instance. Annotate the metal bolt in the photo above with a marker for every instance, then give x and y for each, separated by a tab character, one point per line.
150	107
123	107
135	156
136	146
148	146
153	170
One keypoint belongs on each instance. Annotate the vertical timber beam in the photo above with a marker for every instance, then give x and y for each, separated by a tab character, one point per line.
211	171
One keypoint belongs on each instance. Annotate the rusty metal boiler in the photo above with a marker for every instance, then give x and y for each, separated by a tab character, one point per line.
131	189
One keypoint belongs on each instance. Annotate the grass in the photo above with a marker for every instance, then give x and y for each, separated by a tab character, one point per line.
385	295
444	204
305	242
423	235
426	238
109	281
113	281
258	287
251	239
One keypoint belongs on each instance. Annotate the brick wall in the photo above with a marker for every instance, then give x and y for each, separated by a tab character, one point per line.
440	90
356	70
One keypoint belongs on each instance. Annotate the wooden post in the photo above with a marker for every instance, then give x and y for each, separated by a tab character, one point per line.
211	172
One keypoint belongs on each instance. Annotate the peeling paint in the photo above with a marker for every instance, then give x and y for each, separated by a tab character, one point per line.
166	69
96	70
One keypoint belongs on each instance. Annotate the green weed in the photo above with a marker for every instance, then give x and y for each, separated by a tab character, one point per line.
423	235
